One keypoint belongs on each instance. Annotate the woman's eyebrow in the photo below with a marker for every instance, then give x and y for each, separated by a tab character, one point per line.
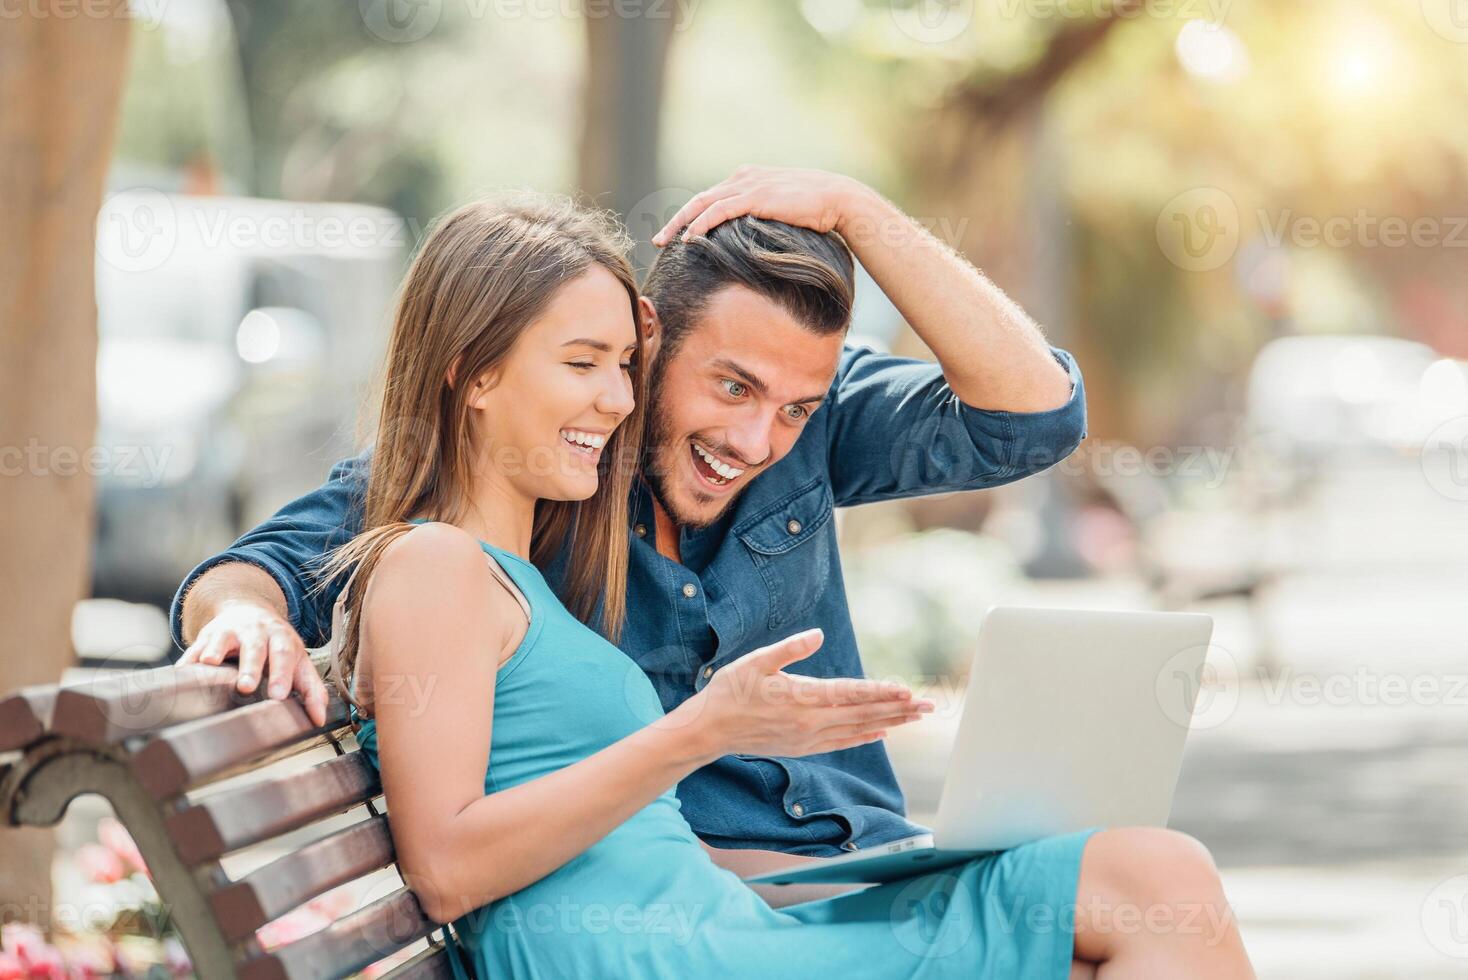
588	342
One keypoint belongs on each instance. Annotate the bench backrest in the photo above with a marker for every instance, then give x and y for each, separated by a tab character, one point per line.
242	809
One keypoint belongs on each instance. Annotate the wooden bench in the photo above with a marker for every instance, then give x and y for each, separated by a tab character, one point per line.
207	781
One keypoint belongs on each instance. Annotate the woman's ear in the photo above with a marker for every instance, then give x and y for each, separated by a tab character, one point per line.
651	326
474	398
478	395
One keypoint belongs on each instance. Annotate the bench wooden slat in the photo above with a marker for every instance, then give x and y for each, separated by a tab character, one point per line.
186	754
347	945
240	817
111	707
273	890
25	715
431	964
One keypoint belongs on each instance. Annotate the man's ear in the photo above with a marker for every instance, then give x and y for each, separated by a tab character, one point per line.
651	326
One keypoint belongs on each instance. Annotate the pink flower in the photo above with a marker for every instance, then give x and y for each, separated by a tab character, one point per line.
22	939
100	864
11	967
115	838
46	964
383	965
88	960
290	927
83	971
177	957
337	902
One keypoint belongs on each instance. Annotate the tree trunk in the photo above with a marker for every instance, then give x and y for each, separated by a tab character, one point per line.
626	59
60	82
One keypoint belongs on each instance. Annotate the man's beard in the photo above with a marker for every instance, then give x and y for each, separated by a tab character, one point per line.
659	452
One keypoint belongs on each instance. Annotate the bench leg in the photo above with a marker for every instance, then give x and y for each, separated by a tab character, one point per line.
36	792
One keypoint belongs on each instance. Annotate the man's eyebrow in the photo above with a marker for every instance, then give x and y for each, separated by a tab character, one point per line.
588	342
758	385
744	375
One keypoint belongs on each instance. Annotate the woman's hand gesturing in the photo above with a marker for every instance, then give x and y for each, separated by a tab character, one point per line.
753	707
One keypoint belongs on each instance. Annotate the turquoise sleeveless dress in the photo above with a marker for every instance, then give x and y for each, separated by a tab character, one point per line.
647	901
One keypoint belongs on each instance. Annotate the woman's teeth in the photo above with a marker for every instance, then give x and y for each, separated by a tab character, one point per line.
724	470
587	442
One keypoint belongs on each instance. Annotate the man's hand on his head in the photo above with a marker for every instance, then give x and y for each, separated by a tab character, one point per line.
263	642
811	199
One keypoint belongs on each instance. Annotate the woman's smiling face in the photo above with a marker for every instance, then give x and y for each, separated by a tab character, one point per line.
543	418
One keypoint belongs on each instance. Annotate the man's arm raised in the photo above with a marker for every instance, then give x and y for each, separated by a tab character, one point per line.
992	354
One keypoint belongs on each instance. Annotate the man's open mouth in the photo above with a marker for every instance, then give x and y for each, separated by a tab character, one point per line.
710	468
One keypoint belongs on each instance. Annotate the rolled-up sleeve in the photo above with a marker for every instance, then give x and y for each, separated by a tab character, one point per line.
287	546
895	428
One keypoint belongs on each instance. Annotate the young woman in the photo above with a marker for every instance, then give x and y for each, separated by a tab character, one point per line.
527	762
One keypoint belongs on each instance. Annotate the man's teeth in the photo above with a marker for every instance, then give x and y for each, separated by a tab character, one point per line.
589	440
723	469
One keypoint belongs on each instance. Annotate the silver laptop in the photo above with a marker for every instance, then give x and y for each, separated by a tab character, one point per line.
1072	719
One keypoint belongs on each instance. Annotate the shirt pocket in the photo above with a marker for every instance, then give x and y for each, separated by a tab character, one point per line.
791	546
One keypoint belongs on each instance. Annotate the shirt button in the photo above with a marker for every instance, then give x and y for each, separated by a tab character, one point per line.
793	527
690	590
849	846
797	809
641	530
708	672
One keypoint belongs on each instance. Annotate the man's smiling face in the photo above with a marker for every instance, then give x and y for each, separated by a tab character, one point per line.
730	399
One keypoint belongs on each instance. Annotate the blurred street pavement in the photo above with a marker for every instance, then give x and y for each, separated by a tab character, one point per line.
1336	807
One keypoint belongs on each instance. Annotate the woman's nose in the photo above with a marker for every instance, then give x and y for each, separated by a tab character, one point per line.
616	397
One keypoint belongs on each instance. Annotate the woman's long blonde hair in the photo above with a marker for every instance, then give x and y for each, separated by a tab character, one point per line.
483	275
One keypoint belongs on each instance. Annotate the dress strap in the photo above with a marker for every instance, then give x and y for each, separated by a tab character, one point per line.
503	577
339	610
338	624
455	955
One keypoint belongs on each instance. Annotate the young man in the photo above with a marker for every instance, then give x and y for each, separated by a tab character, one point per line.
762	422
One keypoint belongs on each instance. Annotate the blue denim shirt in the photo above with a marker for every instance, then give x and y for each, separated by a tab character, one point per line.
890	428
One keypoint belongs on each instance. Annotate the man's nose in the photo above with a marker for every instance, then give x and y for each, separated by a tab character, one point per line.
750	438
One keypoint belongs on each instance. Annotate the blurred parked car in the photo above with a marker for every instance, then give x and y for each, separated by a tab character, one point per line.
237	340
1350	396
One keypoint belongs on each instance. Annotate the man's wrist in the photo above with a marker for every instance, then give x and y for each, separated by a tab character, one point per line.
862	214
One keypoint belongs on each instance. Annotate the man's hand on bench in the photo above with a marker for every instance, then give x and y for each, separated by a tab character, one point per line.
263	642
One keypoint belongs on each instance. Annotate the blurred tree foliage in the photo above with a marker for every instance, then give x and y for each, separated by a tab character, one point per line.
1051	137
330	116
1044	138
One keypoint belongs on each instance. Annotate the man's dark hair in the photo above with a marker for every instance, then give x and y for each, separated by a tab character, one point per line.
809	274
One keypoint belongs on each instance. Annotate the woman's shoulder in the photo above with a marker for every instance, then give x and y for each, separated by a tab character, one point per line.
434	569
433	545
